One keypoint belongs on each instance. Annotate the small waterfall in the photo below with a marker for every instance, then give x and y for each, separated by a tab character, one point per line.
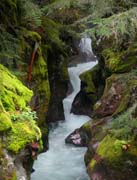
85	45
63	161
74	73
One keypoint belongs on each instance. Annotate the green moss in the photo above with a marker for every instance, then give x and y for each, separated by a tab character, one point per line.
14	95
87	128
23	132
40	73
87	77
5	122
14	176
63	68
52	32
22	128
92	164
31	35
110	149
120	61
1	107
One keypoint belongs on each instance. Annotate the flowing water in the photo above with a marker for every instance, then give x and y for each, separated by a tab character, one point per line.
63	161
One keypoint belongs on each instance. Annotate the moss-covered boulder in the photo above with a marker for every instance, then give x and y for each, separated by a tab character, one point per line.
112	148
112	160
112	145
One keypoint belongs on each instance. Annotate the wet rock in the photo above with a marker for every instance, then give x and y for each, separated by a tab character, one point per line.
58	78
82	104
77	138
91	89
117	94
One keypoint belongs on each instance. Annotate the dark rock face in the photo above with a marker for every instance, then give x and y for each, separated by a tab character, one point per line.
55	112
58	78
82	104
110	101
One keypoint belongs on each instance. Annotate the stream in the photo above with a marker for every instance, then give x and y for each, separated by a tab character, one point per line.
63	161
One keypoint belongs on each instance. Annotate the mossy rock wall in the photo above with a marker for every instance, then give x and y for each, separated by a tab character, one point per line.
18	60
18	129
119	62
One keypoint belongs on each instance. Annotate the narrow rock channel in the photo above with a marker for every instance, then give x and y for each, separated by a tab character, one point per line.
63	161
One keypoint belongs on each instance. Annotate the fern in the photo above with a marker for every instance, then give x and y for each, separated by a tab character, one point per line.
9	45
118	26
29	13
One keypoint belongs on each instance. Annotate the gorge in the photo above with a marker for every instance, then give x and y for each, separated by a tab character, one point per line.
62	112
62	161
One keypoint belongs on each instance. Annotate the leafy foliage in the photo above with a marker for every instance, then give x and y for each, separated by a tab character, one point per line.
9	45
30	13
125	125
52	34
8	12
27	114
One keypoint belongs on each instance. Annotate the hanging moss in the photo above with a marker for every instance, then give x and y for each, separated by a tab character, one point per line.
40	74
